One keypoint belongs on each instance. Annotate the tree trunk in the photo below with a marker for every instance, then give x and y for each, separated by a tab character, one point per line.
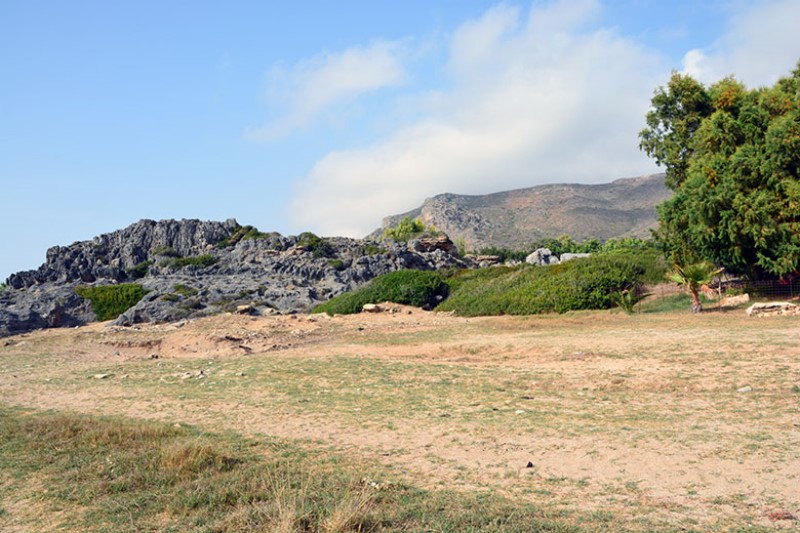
697	307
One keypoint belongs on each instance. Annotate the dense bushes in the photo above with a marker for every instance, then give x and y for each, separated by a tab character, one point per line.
410	287
110	301
523	290
578	284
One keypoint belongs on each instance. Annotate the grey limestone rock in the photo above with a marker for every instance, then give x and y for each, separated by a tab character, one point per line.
542	257
268	273
43	306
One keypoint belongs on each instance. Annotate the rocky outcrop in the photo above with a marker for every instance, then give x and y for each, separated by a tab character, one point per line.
773	309
114	256
193	268
515	219
542	257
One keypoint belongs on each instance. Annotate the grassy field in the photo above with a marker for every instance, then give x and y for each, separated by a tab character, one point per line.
406	421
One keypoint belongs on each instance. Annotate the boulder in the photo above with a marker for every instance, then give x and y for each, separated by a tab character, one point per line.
733	301
43	306
431	243
484	261
542	257
773	309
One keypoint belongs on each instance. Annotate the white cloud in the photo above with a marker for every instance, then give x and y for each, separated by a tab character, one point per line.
313	87
533	101
759	46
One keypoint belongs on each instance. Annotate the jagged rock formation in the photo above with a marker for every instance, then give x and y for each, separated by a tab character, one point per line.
515	219
194	268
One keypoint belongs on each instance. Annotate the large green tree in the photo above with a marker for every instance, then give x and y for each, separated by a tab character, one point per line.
732	156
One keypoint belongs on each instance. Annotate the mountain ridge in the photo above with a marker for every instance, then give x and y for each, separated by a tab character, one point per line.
625	207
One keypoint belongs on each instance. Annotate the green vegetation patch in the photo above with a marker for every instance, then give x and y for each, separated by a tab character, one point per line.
139	270
110	301
565	244
371	249
198	261
318	246
408	229
243	233
585	283
184	290
165	251
112	474
409	287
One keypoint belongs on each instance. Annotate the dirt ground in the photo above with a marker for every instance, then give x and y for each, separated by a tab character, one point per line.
688	421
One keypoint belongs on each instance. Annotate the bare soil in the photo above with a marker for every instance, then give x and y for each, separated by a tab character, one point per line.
688	421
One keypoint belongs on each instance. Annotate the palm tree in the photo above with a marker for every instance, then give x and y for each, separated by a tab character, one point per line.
693	277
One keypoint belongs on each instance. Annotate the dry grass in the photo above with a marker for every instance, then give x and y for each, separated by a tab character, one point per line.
643	419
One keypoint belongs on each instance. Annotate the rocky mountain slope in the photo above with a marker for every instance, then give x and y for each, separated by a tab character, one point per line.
513	219
194	268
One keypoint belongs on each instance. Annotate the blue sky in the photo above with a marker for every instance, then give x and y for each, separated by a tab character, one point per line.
327	116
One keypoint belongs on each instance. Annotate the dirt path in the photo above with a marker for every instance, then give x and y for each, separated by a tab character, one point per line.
685	420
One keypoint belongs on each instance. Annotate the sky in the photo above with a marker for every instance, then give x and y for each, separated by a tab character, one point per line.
327	116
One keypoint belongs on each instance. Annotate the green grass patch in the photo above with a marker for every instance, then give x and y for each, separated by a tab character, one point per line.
110	301
672	303
113	474
586	283
409	287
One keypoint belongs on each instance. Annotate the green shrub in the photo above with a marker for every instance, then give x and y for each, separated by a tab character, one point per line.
139	270
585	283
407	229
3	287
184	290
170	297
318	246
409	287
165	251
371	249
628	298
110	301
242	233
337	264
504	254
629	244
199	261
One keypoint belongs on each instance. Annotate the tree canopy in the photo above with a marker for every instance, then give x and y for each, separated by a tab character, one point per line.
732	156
